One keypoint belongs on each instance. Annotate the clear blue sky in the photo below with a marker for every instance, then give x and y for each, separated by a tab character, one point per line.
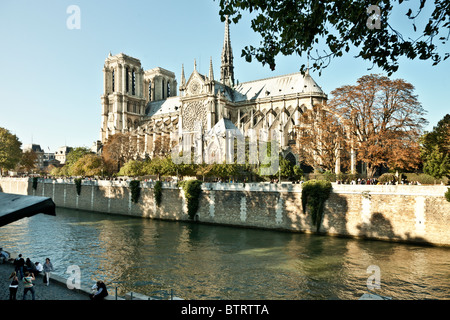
52	76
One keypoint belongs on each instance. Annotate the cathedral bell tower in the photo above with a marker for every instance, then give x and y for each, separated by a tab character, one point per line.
226	69
123	102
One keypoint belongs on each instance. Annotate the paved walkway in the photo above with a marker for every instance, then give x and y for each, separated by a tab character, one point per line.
54	291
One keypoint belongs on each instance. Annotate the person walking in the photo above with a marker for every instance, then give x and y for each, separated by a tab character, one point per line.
28	285
13	286
48	267
19	263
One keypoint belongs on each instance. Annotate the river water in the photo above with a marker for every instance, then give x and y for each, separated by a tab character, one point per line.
218	262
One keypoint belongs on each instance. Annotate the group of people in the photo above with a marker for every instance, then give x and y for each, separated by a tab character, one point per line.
25	271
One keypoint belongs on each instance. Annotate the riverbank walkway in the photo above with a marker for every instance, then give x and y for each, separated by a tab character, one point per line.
54	291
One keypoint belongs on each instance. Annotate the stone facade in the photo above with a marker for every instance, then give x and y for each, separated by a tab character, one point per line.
417	214
150	106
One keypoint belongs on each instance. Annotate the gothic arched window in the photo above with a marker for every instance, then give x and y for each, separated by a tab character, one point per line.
127	80
113	80
150	90
162	89
133	83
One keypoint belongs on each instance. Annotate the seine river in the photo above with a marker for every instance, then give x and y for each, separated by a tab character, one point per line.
218	262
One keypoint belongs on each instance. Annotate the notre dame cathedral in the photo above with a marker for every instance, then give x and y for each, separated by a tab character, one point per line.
152	105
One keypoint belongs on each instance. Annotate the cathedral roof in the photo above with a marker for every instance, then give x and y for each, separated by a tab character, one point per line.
222	126
277	86
161	107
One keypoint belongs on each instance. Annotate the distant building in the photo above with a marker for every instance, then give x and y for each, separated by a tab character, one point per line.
50	159
61	154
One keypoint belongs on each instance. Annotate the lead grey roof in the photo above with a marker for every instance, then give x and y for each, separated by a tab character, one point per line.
162	107
276	86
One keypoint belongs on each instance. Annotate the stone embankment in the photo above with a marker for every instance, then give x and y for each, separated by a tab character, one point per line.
410	213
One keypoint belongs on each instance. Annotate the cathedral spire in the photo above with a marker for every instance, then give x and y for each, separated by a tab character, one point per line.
183	78
226	69
211	74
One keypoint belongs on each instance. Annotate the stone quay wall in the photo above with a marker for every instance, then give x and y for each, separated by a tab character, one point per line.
417	214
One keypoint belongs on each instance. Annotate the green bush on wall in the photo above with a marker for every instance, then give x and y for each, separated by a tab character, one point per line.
192	190
314	195
135	186
447	195
35	182
78	185
157	190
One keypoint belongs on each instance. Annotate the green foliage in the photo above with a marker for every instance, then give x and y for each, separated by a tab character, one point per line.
192	190
157	191
10	152
35	182
132	168
135	186
387	178
439	136
331	28
88	165
437	164
78	185
447	195
76	154
424	178
314	195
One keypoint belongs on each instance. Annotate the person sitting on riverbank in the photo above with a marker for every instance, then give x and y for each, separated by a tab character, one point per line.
101	292
39	268
30	267
4	256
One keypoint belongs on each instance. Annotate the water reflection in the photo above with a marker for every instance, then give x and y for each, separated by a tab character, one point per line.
214	262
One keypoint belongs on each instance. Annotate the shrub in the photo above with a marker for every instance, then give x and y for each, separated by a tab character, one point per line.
35	182
387	178
157	190
424	178
447	195
314	195
135	190
78	185
192	190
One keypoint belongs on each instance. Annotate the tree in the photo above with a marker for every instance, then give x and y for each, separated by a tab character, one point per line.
10	152
120	148
299	26
437	164
75	154
133	168
320	139
439	136
384	119
88	165
28	161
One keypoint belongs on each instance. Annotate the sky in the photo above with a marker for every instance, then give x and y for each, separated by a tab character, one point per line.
52	80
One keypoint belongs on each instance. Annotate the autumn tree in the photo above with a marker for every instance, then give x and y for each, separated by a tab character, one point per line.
384	119
121	148
28	161
325	30
321	139
10	152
